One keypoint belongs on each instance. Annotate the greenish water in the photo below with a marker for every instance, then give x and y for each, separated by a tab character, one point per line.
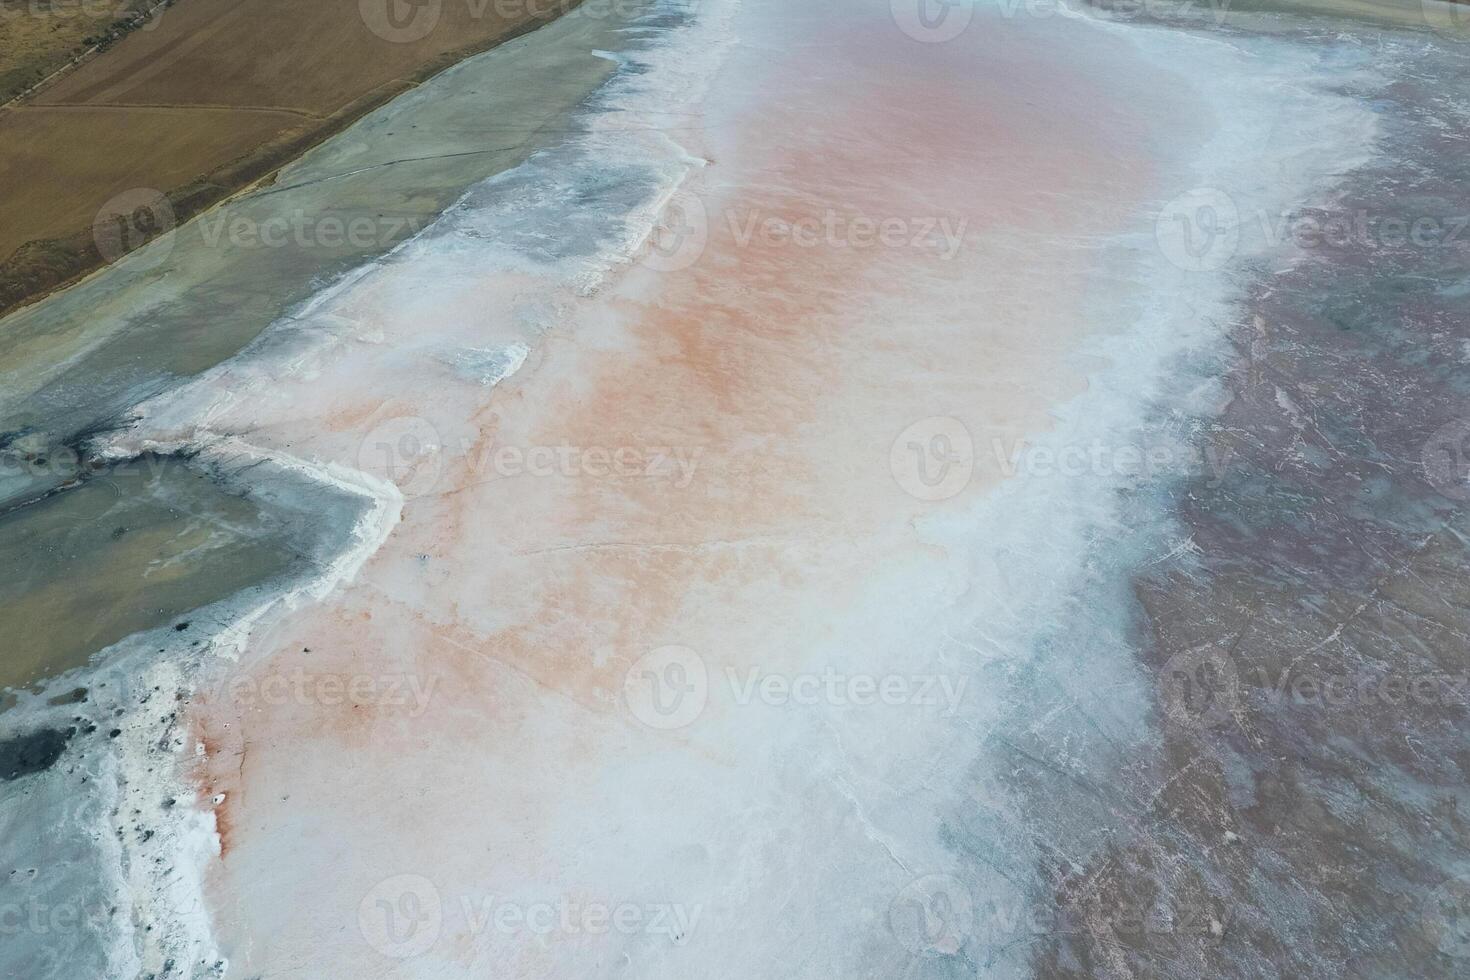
132	548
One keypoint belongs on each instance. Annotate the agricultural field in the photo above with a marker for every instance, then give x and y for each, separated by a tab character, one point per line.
38	37
201	99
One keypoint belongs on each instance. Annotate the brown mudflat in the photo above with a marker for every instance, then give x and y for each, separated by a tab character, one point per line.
207	97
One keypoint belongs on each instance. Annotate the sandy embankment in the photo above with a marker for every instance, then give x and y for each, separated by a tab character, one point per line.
516	604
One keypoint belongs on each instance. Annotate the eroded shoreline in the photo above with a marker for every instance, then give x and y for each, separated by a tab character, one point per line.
126	836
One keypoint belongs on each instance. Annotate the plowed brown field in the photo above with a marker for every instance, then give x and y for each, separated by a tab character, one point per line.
206	98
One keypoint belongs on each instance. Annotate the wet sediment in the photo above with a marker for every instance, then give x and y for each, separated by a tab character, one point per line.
32	752
133	544
146	538
1309	648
